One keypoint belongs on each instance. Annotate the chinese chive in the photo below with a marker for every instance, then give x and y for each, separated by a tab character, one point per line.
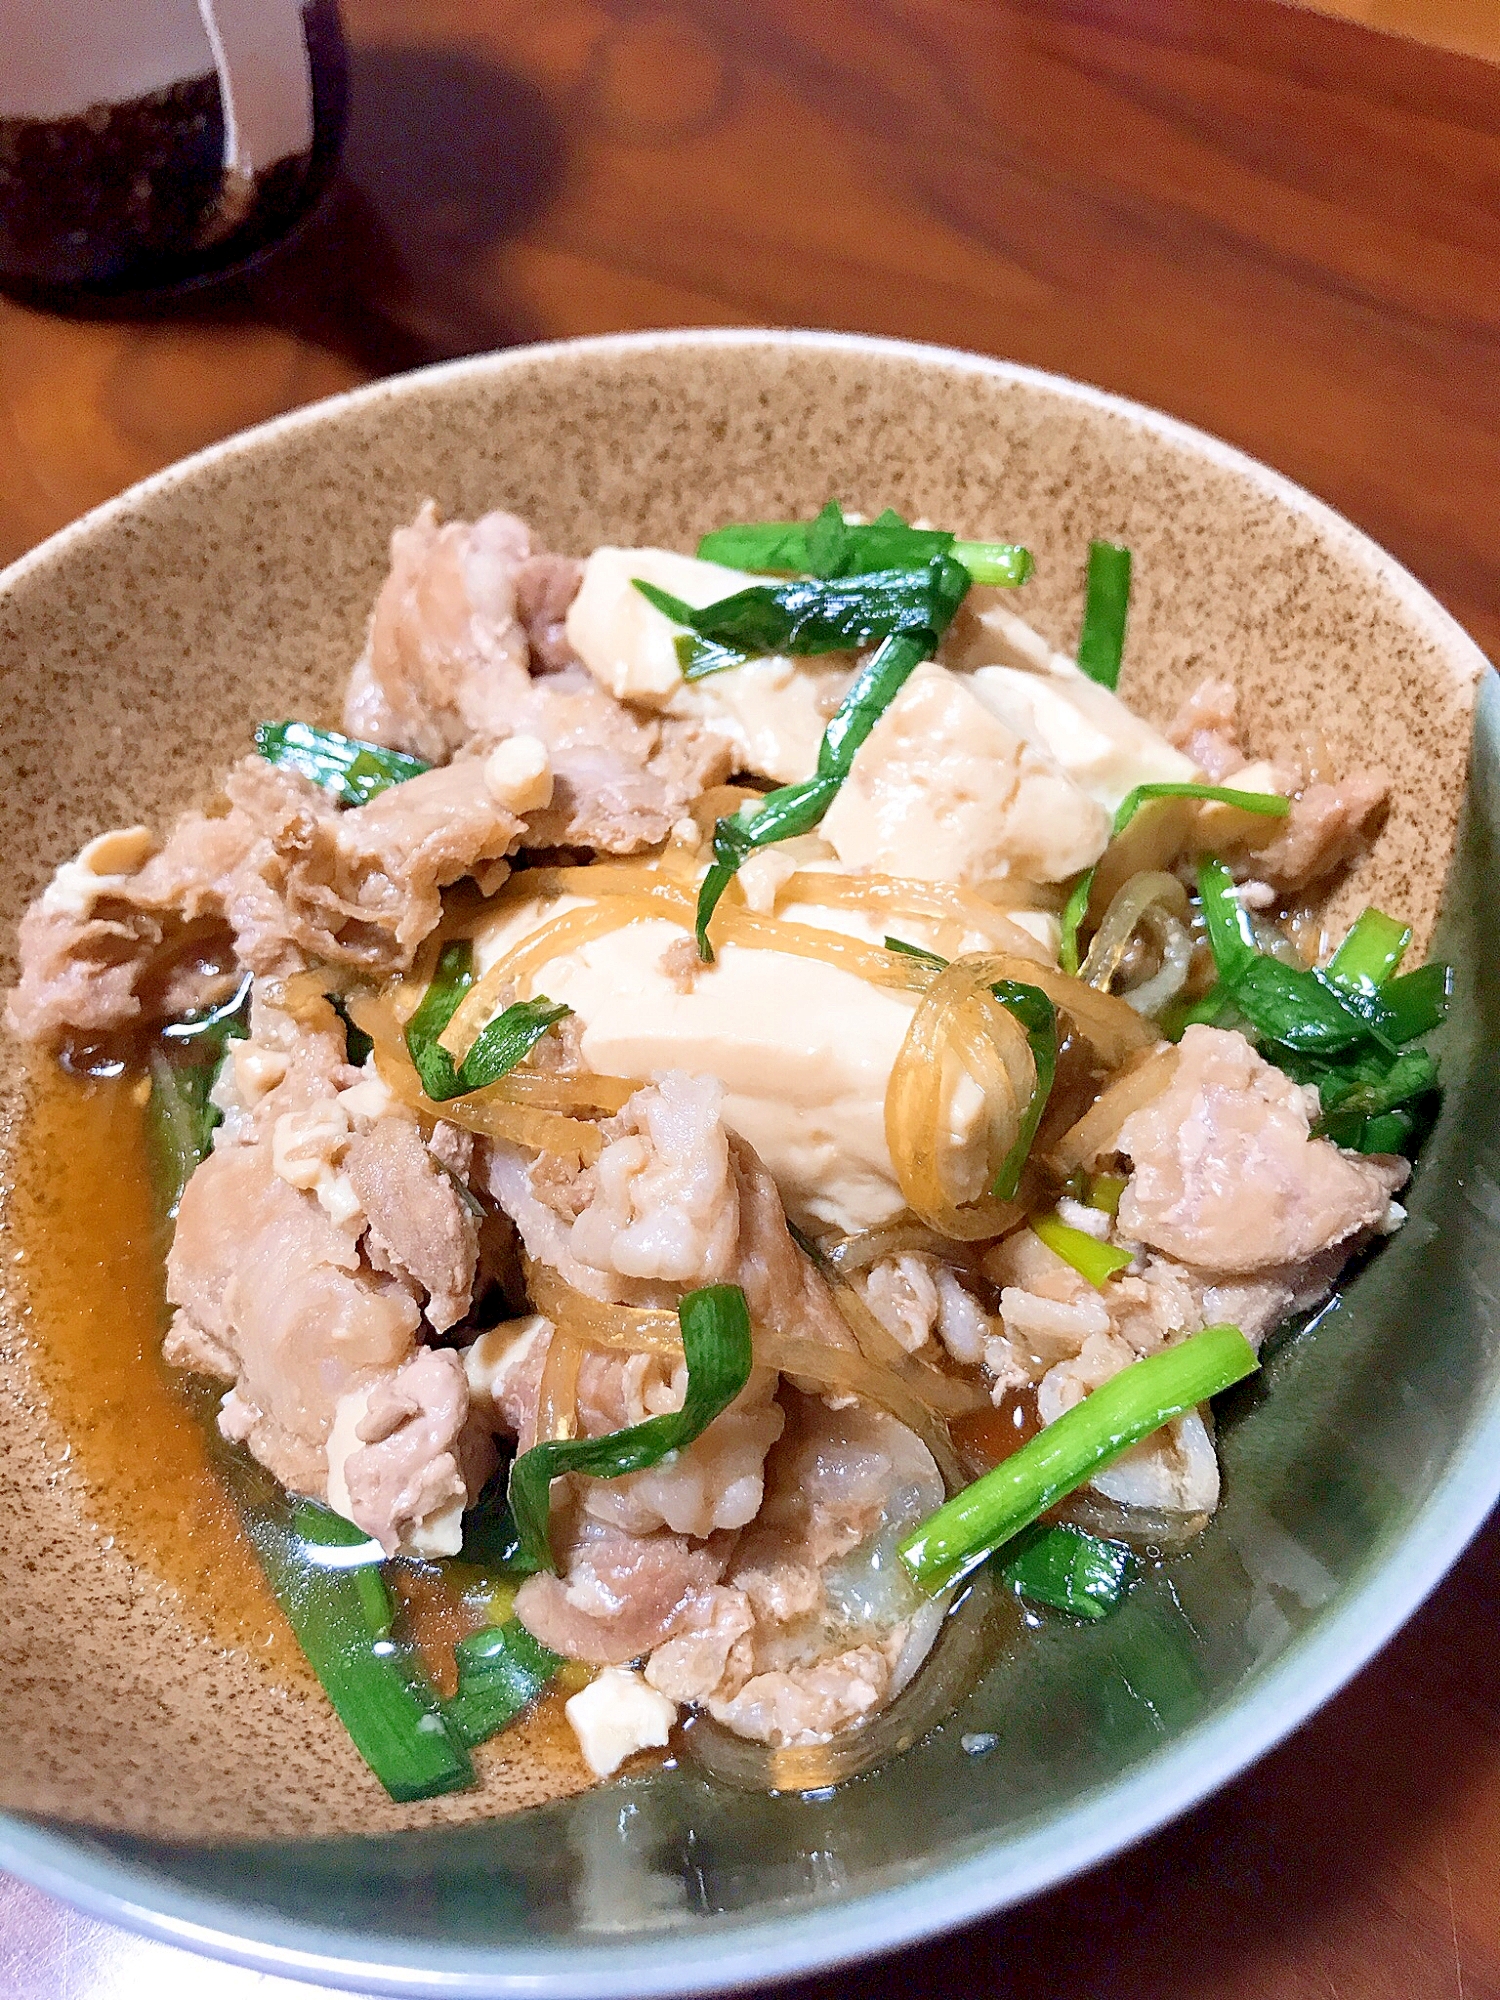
1101	643
352	771
1129	1407
1069	1570
1091	1259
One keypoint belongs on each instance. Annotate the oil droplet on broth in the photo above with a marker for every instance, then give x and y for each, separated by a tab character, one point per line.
92	1264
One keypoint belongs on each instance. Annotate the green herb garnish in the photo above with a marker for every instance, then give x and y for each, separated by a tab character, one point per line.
501	1671
352	771
830	547
1106	604
1129	1407
500	1045
716	1341
1069	1570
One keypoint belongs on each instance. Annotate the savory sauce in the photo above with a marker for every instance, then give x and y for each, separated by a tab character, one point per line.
92	1253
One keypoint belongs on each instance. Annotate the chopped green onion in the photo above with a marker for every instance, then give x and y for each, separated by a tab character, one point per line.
820	616
1370	953
1386	1134
180	1120
698	658
1104	1191
357	1044
500	1045
1417	1002
1101	643
501	1671
1038	1016
354	772
1069	1570
716	1341
1129	1407
831	547
1091	1259
340	1609
1270	805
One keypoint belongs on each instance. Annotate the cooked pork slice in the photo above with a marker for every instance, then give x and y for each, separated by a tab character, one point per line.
618	1595
465	612
123	933
1226	1175
359	887
1324	831
447	656
545	586
403	1457
814	1626
419	1226
1206	727
260	1272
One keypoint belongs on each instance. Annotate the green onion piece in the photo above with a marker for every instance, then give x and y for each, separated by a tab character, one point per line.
451	979
338	1606
180	1120
831	547
1417	1002
1270	805
1091	1259
501	1671
795	809
1068	1570
500	1045
1136	1402
1038	1017
354	772
698	658
1370	953
1386	1134
823	616
716	1341
357	1044
1101	643
1104	1191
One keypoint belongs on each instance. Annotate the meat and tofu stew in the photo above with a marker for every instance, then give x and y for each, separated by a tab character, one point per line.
738	1106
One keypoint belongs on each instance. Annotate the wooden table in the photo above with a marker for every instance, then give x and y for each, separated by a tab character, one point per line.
1279	226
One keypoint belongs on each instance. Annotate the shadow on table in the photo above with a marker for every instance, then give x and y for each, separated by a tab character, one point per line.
1317	1866
447	156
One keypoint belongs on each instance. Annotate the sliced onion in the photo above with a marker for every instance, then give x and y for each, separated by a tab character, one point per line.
891	1239
949	1395
557	1401
1175	943
1112	939
624	1329
1098	1130
844	1371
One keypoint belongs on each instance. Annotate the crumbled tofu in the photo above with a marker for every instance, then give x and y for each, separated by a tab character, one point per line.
439	1533
624	641
102	866
491	1359
616	1715
306	1143
773	710
1104	747
946	790
257	1071
518	772
372	1097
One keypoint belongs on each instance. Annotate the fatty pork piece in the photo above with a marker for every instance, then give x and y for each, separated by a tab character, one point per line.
465	615
814	1626
131	931
1234	1211
307	1246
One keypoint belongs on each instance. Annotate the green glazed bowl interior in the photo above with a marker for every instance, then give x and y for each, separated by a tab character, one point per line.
137	648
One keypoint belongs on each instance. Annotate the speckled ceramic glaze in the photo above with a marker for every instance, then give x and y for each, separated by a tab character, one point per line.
156	1772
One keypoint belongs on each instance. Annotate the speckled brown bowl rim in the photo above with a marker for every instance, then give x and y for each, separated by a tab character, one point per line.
93	1877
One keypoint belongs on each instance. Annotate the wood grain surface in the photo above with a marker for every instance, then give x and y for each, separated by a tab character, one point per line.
1278	226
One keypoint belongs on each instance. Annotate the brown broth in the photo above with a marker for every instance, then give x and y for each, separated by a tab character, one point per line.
92	1254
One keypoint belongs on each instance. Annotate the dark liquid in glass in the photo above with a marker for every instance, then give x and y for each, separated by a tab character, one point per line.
126	202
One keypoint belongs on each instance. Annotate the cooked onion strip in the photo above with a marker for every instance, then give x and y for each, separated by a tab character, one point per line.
1176	947
552	939
1112	939
958	1013
891	1239
485	1112
949	1395
557	1401
1098	1130
845	1371
623	1329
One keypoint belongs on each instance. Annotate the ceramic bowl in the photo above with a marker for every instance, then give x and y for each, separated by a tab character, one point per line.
163	1765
